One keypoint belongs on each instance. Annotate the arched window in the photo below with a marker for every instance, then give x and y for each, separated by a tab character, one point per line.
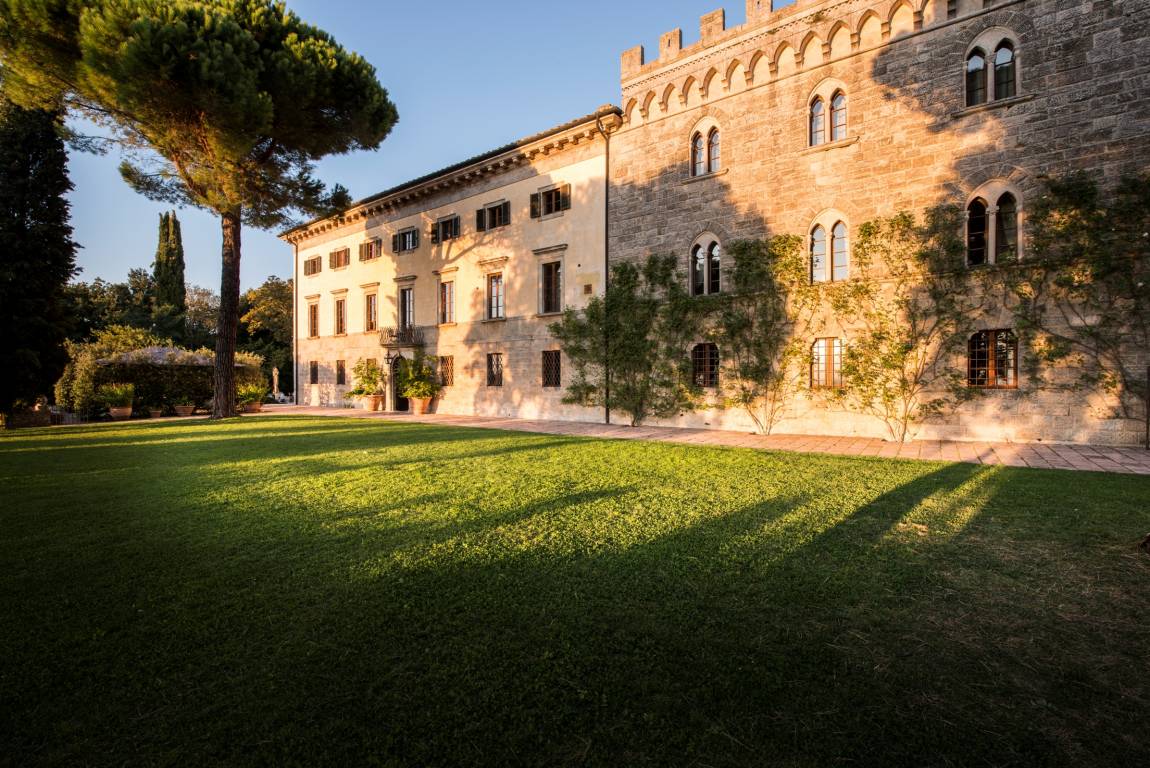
1004	71
706	268
818	255
976	233
1006	229
838	116
827	364
818	122
698	155
976	78
714	155
705	366
992	360
840	260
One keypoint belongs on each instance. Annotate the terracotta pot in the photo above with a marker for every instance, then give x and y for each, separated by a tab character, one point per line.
253	407
420	404
184	410
375	402
121	413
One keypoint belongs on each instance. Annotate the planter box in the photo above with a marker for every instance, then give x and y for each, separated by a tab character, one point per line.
420	405
253	407
121	413
184	410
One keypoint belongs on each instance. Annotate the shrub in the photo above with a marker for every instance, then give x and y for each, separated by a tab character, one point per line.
116	395
369	379
251	393
418	378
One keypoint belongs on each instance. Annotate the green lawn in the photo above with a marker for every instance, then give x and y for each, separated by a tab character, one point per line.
297	591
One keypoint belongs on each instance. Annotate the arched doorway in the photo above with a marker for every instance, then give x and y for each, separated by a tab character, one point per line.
399	402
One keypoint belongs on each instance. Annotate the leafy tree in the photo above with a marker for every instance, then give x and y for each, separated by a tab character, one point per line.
222	104
1083	291
910	325
168	269
76	389
266	327
762	325
628	348
202	308
38	257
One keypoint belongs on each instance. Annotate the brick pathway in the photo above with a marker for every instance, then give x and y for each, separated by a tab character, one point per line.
1091	458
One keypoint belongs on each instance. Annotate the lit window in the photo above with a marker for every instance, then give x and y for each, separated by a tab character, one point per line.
818	132
406	307
495	297
370	312
992	360
827	364
838	116
698	155
714	152
706	268
340	259
818	255
447	302
840	256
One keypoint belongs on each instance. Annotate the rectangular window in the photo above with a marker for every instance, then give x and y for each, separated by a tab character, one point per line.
370	312
495	297
951	8
992	361
340	373
493	216
551	201
446	302
552	279
495	369
372	249
313	266
313	372
313	321
827	364
705	365
406	307
340	259
447	371
445	229
340	317
552	369
407	240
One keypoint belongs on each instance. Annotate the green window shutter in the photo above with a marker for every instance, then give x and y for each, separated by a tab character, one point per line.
435	233
395	243
455	227
565	197
414	239
536	205
507	212
481	220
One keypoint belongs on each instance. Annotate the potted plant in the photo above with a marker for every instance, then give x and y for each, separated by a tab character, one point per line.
184	406
250	397
118	399
370	384
420	384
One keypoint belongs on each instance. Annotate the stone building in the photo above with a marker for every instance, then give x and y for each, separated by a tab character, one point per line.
807	120
468	265
824	114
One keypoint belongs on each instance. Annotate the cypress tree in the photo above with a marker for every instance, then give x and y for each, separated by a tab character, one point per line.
38	257
168	269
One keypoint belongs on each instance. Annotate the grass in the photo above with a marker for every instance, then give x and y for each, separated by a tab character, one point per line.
295	591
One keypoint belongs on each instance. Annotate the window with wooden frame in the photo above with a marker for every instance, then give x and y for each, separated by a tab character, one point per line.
493	216
370	312
313	372
405	240
340	317
312	266
838	116
340	373
549	202
698	155
495	369
1005	74
340	259
706	268
495	297
976	78
818	122
551	287
992	360
370	250
827	364
705	366
406	307
552	369
714	151
313	320
445	229
447	302
446	370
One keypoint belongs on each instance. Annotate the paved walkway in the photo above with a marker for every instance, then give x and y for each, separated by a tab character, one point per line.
1090	458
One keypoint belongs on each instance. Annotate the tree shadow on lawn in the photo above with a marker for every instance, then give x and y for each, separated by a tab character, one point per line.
589	626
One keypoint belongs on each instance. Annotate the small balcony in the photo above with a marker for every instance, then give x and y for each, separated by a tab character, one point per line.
411	336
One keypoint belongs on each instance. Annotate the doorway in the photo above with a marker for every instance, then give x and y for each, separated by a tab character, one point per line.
399	402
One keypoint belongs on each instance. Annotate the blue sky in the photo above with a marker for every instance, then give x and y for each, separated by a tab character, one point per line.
467	77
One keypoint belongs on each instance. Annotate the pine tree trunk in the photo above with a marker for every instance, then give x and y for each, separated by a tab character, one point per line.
224	403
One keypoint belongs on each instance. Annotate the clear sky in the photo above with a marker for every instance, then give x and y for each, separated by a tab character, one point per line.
466	77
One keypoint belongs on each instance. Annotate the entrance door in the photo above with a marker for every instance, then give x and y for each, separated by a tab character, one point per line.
399	401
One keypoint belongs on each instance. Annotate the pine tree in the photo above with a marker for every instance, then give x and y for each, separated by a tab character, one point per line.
168	269
38	257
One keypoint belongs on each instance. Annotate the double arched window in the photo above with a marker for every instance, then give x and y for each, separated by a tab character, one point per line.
980	86
818	131
992	230
706	267
706	153
838	267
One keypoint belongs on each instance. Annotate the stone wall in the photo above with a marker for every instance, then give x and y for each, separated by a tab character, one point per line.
1083	103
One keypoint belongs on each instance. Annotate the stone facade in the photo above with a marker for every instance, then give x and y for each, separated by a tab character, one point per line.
570	157
1082	102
